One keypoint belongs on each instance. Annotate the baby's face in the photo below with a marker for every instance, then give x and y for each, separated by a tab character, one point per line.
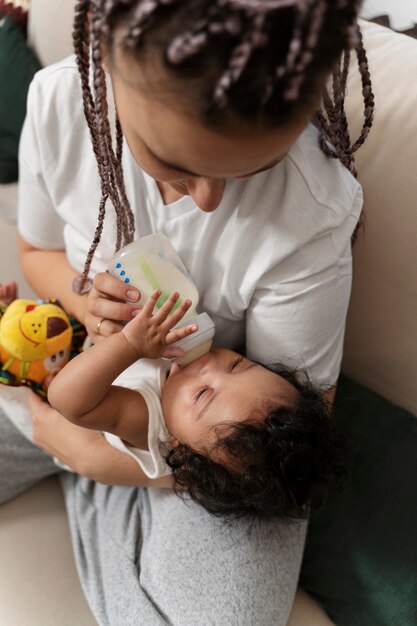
217	388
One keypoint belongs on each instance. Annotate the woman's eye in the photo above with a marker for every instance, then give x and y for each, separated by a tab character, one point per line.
166	167
236	363
170	169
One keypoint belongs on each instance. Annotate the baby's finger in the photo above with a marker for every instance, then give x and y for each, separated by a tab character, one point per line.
176	316
180	333
161	315
150	303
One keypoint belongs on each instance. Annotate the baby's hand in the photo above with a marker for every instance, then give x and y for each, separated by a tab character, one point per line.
8	292
151	334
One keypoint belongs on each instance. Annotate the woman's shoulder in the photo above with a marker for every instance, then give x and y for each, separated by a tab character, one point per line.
55	95
304	195
58	79
55	120
65	66
328	182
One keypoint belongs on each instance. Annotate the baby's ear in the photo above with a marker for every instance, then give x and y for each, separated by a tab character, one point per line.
173	441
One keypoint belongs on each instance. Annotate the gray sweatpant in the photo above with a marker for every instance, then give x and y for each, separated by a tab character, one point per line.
145	557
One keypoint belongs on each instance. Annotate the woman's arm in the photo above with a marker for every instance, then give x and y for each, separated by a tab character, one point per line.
85	451
37	264
113	467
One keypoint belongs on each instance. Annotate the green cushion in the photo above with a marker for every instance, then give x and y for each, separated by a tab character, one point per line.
360	560
18	64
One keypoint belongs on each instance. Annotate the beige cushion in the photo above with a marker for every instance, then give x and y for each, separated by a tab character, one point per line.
39	584
9	258
8	201
50	29
306	612
381	337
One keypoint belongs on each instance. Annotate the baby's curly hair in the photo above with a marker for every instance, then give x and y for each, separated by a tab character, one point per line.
279	467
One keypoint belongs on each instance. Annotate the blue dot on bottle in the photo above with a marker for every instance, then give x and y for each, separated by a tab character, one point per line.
127	280
122	273
118	265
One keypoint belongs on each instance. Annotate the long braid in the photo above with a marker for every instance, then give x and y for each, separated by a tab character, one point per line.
109	162
81	38
334	139
306	56
113	161
334	127
127	218
247	26
109	185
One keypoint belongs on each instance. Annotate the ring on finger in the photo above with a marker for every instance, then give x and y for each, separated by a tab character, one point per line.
99	325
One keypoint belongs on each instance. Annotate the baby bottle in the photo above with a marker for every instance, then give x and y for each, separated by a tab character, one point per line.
152	263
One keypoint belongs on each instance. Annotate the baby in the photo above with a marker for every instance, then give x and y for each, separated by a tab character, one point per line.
242	439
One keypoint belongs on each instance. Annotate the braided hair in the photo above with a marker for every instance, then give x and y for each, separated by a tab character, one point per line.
256	61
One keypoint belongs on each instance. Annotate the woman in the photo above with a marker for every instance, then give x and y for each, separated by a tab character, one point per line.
214	149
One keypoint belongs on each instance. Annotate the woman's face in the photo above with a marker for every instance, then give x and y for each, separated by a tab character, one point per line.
175	149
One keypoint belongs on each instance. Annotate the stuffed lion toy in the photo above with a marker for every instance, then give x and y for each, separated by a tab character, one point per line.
35	340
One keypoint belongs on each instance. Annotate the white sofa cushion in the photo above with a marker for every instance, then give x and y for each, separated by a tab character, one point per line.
50	29
381	336
8	202
39	584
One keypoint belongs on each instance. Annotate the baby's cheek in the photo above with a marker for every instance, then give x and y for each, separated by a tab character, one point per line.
171	408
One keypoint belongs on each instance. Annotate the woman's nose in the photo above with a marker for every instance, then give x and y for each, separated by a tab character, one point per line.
207	193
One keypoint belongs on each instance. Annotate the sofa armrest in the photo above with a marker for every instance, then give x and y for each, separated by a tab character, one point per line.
8	202
50	29
38	581
9	258
381	335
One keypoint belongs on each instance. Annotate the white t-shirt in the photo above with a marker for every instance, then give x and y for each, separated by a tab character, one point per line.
147	377
272	263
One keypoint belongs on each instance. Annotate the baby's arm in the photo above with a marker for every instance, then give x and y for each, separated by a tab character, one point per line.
83	390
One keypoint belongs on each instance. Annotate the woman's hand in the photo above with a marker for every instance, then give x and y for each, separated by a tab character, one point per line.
71	444
107	306
86	451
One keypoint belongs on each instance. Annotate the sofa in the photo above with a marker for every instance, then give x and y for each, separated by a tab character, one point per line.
38	581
